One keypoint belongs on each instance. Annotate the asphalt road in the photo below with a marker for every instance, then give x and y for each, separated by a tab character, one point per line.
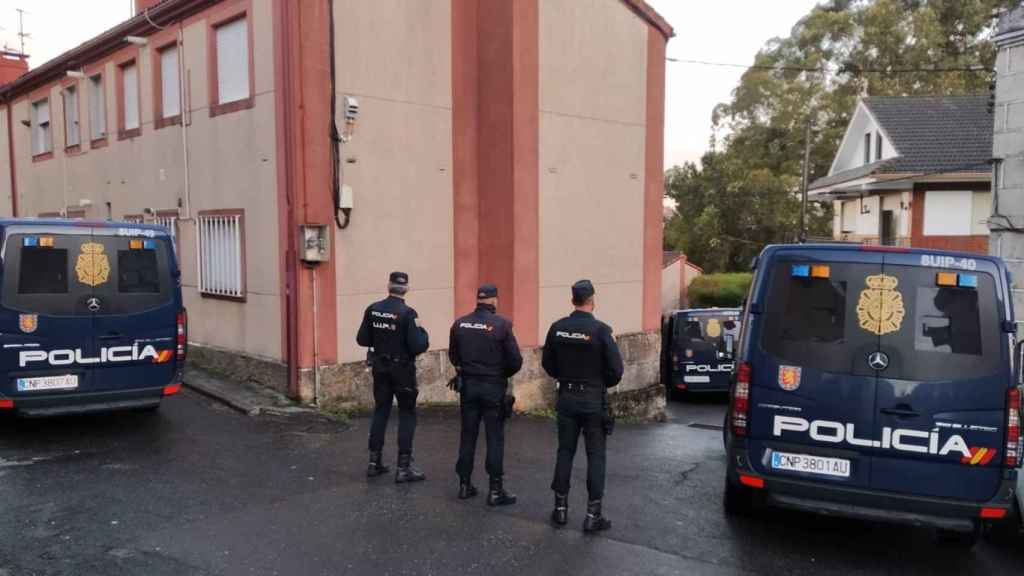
199	489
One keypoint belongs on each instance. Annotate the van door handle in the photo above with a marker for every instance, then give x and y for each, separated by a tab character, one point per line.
901	412
112	336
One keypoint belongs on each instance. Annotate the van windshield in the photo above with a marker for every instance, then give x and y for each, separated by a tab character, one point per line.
57	274
930	332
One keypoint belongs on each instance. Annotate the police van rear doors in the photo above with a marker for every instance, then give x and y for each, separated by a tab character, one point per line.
45	317
135	321
813	393
944	371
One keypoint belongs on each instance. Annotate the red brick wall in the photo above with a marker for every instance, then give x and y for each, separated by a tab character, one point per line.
977	244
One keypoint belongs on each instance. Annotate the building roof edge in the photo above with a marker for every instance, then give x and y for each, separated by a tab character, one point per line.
649	14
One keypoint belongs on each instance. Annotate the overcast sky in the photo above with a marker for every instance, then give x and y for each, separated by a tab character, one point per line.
716	30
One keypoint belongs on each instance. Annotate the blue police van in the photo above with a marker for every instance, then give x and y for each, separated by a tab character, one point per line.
91	317
877	383
697	349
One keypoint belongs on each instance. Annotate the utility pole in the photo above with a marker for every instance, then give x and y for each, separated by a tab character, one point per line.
803	186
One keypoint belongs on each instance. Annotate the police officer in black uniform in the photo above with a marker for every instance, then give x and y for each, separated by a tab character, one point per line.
581	355
391	331
485	353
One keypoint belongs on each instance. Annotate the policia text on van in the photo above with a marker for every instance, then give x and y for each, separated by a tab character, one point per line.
879	384
91	317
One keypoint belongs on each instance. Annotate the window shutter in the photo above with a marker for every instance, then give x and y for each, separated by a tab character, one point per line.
232	62
71	136
97	108
40	127
130	79
170	93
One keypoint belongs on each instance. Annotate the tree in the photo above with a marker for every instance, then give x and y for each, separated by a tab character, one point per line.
745	193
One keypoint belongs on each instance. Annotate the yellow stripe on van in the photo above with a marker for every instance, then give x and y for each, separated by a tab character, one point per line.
979	456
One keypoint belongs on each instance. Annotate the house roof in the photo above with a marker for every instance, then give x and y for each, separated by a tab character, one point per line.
932	134
669	258
651	16
1010	26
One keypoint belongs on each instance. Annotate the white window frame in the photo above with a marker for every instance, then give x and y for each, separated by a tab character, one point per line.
97	108
232	46
220	247
42	132
169	220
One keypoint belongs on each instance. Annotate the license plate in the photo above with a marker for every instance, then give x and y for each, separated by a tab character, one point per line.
65	382
820	465
697	379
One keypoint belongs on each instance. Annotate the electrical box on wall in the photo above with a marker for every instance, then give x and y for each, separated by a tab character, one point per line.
316	243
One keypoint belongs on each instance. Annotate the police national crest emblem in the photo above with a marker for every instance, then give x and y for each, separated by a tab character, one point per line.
28	323
789	377
92	267
880	307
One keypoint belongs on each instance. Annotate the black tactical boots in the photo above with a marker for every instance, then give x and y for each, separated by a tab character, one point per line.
406	472
497	496
595	522
375	468
560	515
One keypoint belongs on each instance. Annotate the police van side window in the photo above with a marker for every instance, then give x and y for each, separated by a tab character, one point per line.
43	271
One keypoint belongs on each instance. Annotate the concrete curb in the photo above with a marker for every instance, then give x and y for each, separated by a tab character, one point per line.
249	399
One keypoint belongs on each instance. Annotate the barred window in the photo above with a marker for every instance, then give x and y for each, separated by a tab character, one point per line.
221	238
169	220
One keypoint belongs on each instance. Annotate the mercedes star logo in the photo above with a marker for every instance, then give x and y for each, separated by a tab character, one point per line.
93	304
878	361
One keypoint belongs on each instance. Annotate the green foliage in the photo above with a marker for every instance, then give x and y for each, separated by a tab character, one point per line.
745	192
719	290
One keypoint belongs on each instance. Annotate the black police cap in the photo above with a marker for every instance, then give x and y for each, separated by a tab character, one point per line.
400	278
487	291
582	290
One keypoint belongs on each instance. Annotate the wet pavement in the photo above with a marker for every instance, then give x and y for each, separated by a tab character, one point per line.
200	489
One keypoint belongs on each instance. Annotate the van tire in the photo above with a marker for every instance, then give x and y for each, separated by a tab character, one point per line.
959	540
737	500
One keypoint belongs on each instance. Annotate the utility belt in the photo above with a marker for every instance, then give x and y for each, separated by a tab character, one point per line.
390	359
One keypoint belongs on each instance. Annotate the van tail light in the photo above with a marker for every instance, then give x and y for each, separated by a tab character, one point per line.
6	404
182	335
741	400
1013	439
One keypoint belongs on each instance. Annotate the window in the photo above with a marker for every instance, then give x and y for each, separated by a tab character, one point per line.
170	89
71	133
138	272
867	148
232	83
41	140
948	213
221	255
134	218
97	108
878	145
43	271
813	322
129	99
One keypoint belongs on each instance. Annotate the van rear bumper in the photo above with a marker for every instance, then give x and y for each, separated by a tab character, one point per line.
66	404
872	505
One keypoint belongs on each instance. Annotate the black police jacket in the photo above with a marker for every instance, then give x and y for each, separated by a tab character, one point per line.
580	348
390	328
482	345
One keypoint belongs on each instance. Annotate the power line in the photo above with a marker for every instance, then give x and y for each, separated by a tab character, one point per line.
846	68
